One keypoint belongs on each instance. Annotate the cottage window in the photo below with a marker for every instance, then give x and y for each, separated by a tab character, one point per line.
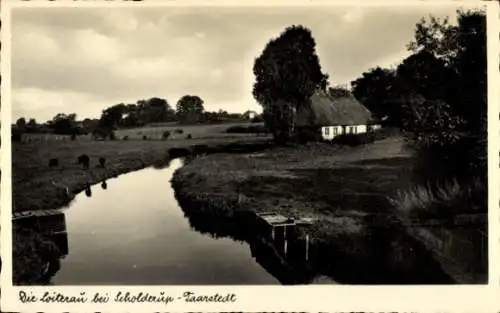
355	129
327	130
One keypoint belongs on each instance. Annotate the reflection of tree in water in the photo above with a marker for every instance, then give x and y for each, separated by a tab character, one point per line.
38	245
382	255
290	267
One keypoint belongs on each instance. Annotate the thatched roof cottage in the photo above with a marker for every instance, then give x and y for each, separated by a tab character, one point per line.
335	113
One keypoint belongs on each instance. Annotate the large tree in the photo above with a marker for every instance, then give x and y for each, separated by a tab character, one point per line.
286	74
64	124
376	89
459	103
462	50
189	109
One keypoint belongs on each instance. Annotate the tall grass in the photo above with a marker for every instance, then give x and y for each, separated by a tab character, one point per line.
442	199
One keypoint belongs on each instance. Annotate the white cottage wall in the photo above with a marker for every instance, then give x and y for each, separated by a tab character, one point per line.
330	132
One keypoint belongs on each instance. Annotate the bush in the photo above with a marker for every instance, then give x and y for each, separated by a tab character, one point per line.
237	129
144	137
73	137
257	119
112	136
189	136
364	138
125	138
179	131
354	139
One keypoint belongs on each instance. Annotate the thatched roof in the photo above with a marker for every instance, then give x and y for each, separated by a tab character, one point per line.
329	110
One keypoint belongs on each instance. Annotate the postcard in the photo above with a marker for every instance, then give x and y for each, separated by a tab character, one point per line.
217	156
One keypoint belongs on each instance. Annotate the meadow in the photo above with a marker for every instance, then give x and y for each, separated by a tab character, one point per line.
35	183
156	131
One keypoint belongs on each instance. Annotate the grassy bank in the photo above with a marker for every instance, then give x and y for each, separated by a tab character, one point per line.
33	189
350	191
32	177
337	185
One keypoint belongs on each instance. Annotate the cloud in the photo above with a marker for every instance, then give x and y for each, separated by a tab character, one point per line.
83	60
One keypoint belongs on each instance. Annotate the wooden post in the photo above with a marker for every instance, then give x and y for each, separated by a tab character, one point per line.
307	247
285	239
272	232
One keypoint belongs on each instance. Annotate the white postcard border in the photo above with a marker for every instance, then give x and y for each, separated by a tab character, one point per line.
455	298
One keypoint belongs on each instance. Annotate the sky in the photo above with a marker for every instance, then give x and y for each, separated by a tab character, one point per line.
83	60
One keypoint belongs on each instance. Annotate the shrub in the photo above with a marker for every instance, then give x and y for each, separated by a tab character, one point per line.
112	136
179	131
257	119
73	137
144	137
125	138
189	136
354	139
238	129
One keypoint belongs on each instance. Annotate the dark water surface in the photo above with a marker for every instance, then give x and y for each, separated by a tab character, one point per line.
132	231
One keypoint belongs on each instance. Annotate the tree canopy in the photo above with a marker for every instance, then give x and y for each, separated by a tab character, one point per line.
286	74
189	109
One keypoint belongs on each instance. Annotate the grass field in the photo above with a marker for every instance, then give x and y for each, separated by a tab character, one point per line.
155	132
32	177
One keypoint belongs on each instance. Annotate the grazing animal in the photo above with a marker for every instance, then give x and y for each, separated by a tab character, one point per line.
53	162
84	160
102	162
166	134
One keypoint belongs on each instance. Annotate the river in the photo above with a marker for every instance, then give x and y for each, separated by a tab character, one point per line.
133	232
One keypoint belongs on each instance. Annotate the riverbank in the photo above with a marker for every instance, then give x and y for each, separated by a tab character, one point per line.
348	191
333	184
32	177
33	189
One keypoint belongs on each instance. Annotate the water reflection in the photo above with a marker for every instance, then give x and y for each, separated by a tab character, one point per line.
284	253
380	256
138	228
88	191
48	235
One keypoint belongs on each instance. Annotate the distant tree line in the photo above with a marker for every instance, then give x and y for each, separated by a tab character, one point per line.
188	110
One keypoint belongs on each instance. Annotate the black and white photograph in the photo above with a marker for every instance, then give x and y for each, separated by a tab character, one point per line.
249	145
